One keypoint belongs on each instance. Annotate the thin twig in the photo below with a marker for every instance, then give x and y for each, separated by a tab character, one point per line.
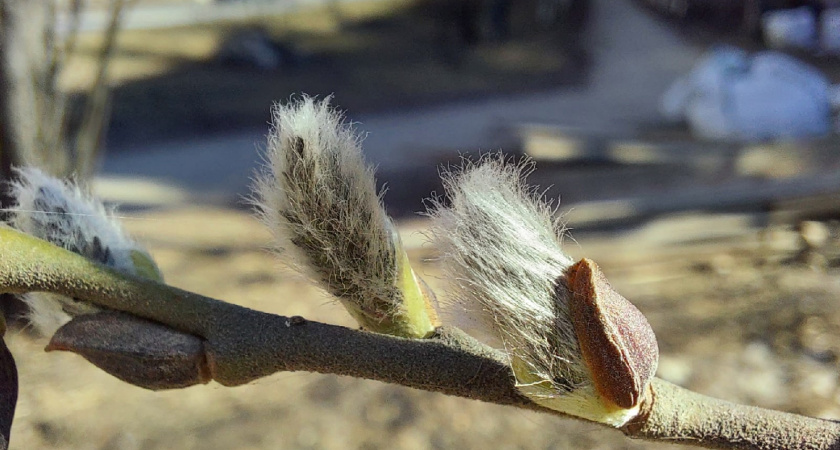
97	113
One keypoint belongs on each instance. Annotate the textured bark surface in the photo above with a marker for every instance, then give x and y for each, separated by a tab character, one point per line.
681	416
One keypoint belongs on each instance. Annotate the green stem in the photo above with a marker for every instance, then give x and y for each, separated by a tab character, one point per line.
31	264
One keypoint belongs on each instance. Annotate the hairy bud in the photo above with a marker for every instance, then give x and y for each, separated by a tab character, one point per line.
319	199
61	213
511	288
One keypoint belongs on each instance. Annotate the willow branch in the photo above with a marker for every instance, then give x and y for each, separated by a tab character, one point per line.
243	345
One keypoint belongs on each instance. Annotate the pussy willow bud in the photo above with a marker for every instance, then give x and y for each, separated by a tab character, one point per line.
319	199
134	350
61	213
574	344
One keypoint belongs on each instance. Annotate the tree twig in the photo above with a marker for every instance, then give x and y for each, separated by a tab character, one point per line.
243	345
87	141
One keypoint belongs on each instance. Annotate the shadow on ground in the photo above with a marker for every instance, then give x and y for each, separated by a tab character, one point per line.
410	56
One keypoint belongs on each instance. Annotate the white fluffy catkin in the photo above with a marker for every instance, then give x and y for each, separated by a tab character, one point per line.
319	199
500	249
61	213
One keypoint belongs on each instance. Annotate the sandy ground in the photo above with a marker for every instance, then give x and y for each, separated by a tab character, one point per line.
742	328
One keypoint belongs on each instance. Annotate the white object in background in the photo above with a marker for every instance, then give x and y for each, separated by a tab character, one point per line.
780	97
830	30
731	96
705	80
790	28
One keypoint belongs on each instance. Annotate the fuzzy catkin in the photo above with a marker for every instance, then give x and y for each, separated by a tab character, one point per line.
61	213
319	199
501	251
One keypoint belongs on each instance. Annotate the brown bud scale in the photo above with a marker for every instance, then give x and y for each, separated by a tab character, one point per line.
135	350
617	342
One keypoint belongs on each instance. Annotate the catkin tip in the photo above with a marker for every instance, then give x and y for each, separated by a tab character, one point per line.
319	199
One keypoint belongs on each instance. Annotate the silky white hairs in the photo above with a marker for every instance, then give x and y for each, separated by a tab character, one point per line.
61	213
319	199
500	249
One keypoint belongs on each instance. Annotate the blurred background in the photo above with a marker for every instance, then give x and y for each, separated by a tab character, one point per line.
691	143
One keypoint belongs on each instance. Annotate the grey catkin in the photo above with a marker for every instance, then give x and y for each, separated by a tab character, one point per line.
319	199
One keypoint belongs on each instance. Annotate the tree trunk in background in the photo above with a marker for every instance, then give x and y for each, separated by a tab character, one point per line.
31	108
8	133
10	123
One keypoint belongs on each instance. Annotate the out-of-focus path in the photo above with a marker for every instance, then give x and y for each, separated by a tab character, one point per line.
168	13
635	58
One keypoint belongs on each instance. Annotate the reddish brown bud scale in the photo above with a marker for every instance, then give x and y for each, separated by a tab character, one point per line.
617	342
